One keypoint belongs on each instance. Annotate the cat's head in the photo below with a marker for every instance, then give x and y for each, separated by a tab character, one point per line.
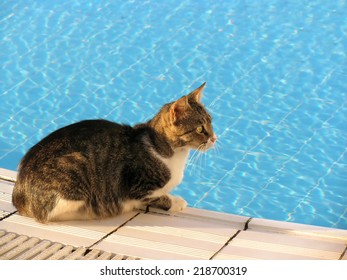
187	122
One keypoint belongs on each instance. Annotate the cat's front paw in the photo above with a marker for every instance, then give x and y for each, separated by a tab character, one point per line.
177	204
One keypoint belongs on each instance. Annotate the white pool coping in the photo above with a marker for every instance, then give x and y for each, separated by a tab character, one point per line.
191	234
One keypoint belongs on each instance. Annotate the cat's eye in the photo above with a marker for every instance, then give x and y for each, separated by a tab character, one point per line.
200	129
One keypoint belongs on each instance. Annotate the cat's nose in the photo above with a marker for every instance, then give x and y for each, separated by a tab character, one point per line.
214	138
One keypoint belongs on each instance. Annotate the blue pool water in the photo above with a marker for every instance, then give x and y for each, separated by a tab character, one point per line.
276	74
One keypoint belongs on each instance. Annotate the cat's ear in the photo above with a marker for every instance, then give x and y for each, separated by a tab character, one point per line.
179	108
196	94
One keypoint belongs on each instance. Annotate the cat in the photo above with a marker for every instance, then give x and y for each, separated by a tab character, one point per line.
96	169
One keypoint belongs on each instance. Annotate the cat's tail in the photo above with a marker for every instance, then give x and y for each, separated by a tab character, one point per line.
20	200
30	203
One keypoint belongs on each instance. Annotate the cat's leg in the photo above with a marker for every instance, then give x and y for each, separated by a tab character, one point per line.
167	202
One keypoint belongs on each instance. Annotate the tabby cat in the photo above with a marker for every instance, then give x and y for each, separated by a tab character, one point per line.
95	169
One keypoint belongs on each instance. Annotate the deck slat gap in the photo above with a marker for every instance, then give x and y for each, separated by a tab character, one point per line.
226	244
246	225
231	238
343	254
8	215
111	232
7	179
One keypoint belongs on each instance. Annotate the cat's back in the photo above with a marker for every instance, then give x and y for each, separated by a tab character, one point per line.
78	137
99	142
80	133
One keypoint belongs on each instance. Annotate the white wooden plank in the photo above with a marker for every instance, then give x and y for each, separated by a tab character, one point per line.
171	237
243	253
5	203
204	230
103	226
277	244
234	221
148	249
3	213
8	174
55	232
309	231
6	187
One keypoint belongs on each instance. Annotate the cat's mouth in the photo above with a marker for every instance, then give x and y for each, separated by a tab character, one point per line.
208	144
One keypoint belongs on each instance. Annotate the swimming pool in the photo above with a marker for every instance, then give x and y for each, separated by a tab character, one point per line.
276	74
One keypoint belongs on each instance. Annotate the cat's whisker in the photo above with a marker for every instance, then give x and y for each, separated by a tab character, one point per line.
192	160
192	157
196	159
204	160
204	157
217	149
216	146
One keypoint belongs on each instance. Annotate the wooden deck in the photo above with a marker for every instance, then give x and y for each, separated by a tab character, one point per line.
191	234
